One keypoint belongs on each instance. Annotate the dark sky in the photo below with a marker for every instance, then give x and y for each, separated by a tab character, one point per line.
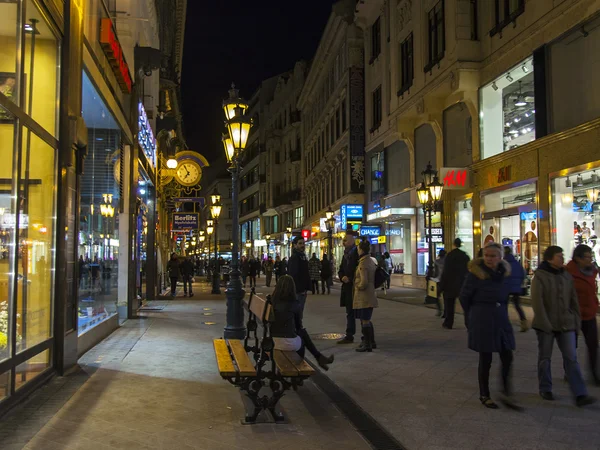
245	42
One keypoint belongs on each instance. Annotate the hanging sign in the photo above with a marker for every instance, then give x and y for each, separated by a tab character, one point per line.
146	136
455	178
185	221
114	53
370	230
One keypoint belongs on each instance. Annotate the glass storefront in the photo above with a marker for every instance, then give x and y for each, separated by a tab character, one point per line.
507	110
399	245
509	217
27	192
464	225
576	211
141	251
99	212
437	233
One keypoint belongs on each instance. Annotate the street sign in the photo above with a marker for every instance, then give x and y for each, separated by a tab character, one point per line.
455	178
370	230
190	200
185	221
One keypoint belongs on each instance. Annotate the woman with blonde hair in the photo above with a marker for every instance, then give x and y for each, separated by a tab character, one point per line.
365	298
287	329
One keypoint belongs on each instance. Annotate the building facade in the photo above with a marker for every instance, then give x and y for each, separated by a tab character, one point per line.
80	87
480	91
332	107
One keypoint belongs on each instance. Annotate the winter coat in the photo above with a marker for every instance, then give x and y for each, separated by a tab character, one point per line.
187	268
484	299
298	270
455	271
252	267
173	267
364	284
348	269
554	300
314	268
586	288
517	275
326	271
269	266
286	318
245	268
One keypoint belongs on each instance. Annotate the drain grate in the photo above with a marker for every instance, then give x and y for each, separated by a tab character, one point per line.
368	427
327	336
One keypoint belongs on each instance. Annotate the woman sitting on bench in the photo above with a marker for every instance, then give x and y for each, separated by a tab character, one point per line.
287	330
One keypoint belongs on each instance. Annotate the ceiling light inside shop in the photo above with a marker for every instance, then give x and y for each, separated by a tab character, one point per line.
525	69
514	131
517	119
568	182
509	78
520	101
494	86
579	182
507	124
142	191
567	199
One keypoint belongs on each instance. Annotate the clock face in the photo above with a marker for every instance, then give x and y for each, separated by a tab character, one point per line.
189	173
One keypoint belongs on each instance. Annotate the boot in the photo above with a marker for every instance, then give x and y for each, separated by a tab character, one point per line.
524	325
373	343
368	342
324	361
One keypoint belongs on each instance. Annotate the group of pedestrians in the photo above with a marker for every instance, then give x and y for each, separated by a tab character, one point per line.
321	271
564	302
181	269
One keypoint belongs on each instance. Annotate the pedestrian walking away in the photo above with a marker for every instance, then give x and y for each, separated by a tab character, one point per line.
187	273
455	271
269	266
314	268
365	298
174	272
484	299
515	285
287	329
557	318
584	274
277	268
298	269
244	269
389	267
253	267
346	275
326	273
439	270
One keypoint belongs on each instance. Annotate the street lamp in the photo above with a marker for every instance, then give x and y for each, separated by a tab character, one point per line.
268	241
209	231
215	210
330	221
234	143
430	194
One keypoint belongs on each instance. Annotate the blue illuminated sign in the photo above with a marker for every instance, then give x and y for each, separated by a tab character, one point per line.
529	215
374	241
145	135
354	211
343	217
370	230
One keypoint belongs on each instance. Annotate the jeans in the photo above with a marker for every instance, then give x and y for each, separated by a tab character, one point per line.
314	286
567	344
252	280
173	285
449	304
302	299
244	279
325	285
589	329
516	299
350	321
485	363
187	281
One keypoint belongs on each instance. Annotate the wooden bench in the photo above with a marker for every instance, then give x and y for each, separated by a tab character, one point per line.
287	370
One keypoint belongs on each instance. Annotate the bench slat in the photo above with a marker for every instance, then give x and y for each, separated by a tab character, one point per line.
224	361
298	362
244	364
284	365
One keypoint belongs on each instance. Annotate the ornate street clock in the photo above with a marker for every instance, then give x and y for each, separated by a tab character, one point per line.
188	172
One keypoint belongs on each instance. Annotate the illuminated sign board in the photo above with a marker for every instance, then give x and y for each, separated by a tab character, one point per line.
185	221
114	53
455	178
529	215
305	234
370	230
146	136
348	212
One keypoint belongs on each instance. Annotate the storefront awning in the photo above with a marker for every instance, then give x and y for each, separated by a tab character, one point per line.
390	214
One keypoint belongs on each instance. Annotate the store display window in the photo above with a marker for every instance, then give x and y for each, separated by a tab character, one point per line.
510	218
576	211
437	233
507	110
464	225
399	246
98	263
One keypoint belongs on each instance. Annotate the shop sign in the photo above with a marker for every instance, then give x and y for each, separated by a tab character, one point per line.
504	174
527	216
305	234
323	225
260	243
146	136
381	240
114	53
373	241
350	212
394	232
455	178
190	200
9	220
370	230
185	221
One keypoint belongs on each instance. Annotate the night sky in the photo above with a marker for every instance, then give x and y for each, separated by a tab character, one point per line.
245	42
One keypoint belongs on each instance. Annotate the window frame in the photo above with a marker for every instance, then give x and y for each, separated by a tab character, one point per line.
504	20
433	33
375	40
377	109
407	58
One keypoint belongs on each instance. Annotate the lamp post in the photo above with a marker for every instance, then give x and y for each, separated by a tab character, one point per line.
215	210
268	241
430	194
288	230
234	143
209	231
330	221
201	238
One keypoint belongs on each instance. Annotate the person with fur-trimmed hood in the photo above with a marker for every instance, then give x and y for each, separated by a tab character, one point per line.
484	299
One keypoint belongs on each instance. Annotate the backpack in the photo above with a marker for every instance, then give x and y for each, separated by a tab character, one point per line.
381	277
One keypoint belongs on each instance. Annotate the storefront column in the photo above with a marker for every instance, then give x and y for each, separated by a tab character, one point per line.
151	259
126	246
70	162
545	229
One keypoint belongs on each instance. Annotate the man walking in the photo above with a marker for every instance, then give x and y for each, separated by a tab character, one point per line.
346	275
269	270
187	273
297	268
453	276
557	317
314	268
174	272
515	283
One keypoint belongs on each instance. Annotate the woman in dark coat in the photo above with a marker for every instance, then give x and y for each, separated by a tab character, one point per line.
326	273
484	298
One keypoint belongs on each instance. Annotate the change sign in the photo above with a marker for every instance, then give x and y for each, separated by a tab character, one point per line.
185	221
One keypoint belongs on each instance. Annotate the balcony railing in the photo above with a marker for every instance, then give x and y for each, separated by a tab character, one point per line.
287	198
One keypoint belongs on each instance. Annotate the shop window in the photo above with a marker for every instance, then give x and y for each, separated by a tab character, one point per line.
474	19
337	124
576	54
299	217
332	130
458	148
99	242
400	246
464	225
505	13
377	176
436	35
397	156
507	110
9	83
576	211
375	40
31	368
407	71
376	112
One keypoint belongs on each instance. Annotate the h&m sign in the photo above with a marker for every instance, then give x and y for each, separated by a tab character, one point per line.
455	178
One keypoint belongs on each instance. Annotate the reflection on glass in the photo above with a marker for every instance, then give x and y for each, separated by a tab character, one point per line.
400	247
464	225
8	43
4	385
7	229
31	368
36	231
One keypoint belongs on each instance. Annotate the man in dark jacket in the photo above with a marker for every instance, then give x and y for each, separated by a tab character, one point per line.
453	276
297	268
515	285
346	275
187	273
174	272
